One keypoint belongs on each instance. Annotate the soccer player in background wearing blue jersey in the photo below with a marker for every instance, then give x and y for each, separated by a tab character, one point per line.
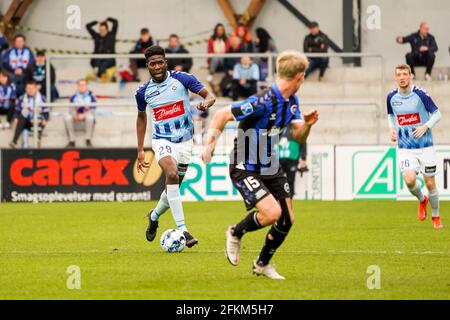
254	166
166	96
412	114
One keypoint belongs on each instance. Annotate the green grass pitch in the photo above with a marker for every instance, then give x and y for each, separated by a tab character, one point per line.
325	256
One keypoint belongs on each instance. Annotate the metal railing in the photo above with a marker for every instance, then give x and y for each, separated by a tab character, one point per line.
271	71
269	56
218	104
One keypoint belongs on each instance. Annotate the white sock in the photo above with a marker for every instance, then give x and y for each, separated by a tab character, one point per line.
434	202
417	192
161	207
174	198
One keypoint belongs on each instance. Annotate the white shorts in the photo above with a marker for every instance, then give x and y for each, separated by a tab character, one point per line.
181	152
420	160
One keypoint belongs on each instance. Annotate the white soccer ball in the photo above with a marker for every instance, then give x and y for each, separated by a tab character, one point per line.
172	241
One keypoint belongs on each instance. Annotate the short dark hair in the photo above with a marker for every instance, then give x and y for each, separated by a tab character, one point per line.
145	31
104	24
19	36
314	24
40	53
174	35
154	50
31	82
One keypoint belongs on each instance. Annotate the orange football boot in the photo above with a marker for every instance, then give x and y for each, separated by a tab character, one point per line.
437	223
422	212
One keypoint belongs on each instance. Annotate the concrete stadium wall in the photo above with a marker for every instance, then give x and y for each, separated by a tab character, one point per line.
185	18
194	20
401	18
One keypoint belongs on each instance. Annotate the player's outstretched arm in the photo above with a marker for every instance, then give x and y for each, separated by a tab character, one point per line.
300	129
141	126
208	101
220	119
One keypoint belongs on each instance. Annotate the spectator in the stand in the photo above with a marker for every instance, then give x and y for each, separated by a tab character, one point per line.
37	72
3	44
85	114
16	61
423	49
7	99
246	38
177	64
235	47
26	107
226	85
264	44
145	41
316	42
245	78
218	43
104	43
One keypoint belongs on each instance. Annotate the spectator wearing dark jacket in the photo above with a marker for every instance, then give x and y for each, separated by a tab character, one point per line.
7	99
25	109
104	42
177	64
423	49
226	85
16	61
3	44
316	42
145	41
264	44
37	72
235	47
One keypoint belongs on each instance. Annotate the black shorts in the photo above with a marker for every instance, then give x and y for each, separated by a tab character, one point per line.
254	187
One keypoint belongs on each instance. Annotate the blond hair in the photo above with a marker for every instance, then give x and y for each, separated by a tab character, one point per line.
290	63
403	66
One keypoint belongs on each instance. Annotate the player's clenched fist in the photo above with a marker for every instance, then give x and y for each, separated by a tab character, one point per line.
311	117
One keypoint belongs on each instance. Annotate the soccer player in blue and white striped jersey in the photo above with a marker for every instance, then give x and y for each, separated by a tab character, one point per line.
166	96
412	114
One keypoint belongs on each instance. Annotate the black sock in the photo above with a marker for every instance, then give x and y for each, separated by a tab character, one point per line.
274	239
250	223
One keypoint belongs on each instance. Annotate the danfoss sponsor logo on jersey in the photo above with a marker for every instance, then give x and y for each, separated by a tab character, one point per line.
169	111
408	119
67	171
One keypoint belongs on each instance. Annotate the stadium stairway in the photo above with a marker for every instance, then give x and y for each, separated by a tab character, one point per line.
355	123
